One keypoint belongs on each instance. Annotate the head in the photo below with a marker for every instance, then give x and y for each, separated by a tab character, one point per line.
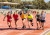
37	13
15	13
29	13
22	12
9	13
42	12
16	10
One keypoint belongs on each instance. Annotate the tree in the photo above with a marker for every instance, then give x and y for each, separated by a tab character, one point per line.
48	5
40	4
4	1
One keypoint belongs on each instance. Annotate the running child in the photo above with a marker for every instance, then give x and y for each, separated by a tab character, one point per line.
30	19
23	17
38	19
15	16
9	19
42	19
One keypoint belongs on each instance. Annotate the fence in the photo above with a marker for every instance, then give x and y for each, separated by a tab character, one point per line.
13	10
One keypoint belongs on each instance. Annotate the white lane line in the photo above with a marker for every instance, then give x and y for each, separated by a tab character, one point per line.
45	32
5	32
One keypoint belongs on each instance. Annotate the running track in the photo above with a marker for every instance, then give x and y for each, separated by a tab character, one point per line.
3	24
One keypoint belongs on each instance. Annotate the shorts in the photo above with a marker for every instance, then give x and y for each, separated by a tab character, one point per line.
42	20
23	19
30	20
9	21
38	19
16	19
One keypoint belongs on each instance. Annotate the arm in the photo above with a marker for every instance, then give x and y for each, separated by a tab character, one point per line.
4	18
17	17
35	16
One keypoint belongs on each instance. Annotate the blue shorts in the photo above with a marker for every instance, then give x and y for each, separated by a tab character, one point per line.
38	19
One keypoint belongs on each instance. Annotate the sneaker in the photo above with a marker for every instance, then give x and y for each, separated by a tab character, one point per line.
23	27
15	28
42	25
9	26
38	28
42	28
32	24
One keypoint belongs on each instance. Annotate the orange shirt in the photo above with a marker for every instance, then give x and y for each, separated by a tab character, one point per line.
23	16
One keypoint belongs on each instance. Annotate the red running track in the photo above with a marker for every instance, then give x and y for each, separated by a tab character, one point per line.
3	24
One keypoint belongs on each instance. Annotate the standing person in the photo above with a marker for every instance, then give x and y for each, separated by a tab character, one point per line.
23	17
38	19
9	19
15	16
30	19
43	19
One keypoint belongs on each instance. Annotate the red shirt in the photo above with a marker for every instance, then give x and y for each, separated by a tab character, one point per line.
9	18
15	16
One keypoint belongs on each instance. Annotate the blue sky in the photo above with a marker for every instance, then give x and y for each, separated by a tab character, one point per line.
47	0
44	0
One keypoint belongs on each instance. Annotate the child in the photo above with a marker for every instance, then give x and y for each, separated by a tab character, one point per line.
38	20
30	19
15	16
9	19
43	19
23	17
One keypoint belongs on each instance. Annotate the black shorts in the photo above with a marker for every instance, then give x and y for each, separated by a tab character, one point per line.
30	20
42	20
23	19
15	19
38	19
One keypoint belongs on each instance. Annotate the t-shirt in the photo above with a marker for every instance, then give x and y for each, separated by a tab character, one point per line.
30	16
23	16
9	18
15	16
43	17
38	16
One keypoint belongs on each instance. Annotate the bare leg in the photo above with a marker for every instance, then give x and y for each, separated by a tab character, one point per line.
42	26
15	24
8	24
37	24
23	24
28	24
31	23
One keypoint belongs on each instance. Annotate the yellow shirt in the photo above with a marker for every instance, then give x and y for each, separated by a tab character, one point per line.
23	16
30	17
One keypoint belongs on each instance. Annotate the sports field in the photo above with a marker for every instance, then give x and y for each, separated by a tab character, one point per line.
4	29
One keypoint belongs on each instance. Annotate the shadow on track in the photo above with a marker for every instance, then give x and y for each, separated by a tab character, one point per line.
18	29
